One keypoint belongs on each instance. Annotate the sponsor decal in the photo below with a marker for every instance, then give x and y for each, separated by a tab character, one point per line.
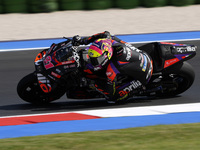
191	49
144	67
141	58
69	66
112	71
150	71
170	62
128	56
132	47
68	62
55	75
108	74
44	83
133	85
186	49
45	88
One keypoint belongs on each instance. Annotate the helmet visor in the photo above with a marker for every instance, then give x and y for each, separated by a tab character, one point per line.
96	61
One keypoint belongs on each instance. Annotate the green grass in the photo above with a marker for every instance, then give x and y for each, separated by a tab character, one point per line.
161	137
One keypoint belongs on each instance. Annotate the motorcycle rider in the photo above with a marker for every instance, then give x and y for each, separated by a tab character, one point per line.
111	59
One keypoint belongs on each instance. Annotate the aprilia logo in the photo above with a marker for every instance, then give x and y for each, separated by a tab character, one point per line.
133	85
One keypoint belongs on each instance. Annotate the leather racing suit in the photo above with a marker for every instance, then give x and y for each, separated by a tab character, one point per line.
128	70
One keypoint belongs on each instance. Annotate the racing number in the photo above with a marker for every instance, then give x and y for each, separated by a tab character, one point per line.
47	62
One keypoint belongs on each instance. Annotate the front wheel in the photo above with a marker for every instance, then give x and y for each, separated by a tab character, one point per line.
29	90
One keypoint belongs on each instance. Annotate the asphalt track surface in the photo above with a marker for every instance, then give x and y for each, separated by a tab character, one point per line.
15	65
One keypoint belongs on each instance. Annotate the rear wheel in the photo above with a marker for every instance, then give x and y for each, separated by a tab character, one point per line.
29	90
178	81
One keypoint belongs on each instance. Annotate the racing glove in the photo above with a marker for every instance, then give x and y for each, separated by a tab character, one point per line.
76	40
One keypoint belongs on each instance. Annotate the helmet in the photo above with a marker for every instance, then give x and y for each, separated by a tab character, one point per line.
100	52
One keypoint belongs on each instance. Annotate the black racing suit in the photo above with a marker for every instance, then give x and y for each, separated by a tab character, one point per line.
127	71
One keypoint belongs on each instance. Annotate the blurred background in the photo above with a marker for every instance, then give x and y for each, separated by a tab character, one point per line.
38	6
39	19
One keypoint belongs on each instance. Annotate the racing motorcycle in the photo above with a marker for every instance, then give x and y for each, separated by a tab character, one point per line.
62	65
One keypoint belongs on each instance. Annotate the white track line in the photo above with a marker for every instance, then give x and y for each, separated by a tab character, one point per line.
143	111
131	111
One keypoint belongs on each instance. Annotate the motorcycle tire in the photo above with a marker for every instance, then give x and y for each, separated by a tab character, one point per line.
183	77
29	90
